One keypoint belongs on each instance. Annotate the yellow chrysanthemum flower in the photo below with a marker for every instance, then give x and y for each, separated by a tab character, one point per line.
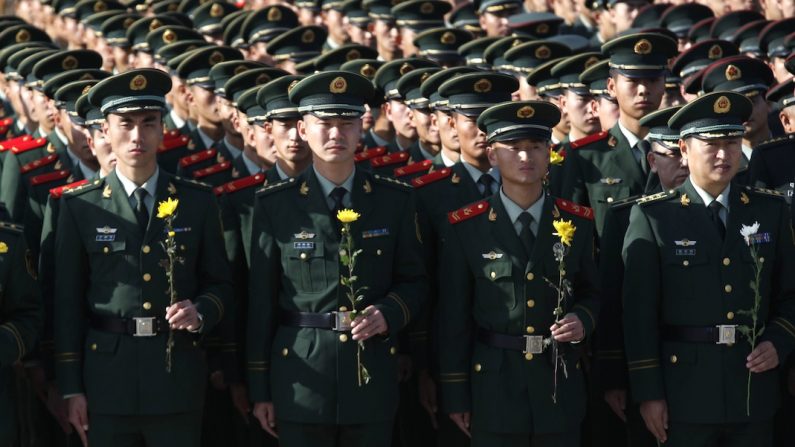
172	233
3	247
347	216
564	229
555	158
167	208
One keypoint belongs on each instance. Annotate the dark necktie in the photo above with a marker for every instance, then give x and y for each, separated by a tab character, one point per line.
486	181
714	211
639	151
526	234
141	212
337	194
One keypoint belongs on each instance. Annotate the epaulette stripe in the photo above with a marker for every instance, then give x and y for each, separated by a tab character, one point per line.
369	153
8	144
35	164
244	182
766	191
273	186
413	168
573	208
17	338
787	327
637	368
28	146
58	192
172	144
49	177
7	121
467	212
774	141
431	177
214	169
386	160
196	158
588	140
644	361
655	197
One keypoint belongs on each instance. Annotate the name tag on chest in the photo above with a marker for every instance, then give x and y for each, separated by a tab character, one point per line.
304	245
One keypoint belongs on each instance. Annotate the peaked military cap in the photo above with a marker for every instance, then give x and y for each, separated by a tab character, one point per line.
783	94
233	29
430	87
441	44
267	23
355	13
168	53
515	120
223	72
85	8
472	51
131	91
701	30
89	114
568	71
326	5
380	9
641	55
408	87
470	94
66	97
387	76
239	83
188	6
207	17
87	74
681	18
463	17
367	68
195	68
332	60
649	16
114	29
179	18
421	14
247	104
64	8
612	3
539	25
298	44
169	34
726	25
740	74
525	57
25	67
23	33
657	122
789	64
164	6
312	5
747	37
24	50
575	42
701	55
713	115
497	6
772	37
173	63
274	99
541	78
494	54
137	32
332	93
94	21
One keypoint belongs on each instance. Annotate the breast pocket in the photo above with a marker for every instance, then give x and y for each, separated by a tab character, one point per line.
110	260
306	266
495	285
683	267
374	263
608	193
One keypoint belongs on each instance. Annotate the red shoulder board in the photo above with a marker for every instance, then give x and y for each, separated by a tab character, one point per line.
245	182
573	208
172	143
56	193
3	130
49	177
35	164
468	212
11	142
168	134
7	122
391	159
369	153
191	160
218	190
413	168
28	145
214	169
589	139
434	176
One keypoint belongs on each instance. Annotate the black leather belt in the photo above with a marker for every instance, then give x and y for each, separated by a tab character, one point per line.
720	334
137	327
335	321
532	344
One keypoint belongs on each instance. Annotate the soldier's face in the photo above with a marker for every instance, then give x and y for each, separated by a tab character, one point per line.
359	35
521	162
623	13
407	47
204	103
757	123
399	114
581	116
779	70
332	140
787	117
333	22
101	149
44	114
472	140
426	133
135	137
713	162
386	37
228	114
447	133
668	164
607	110
263	143
289	146
636	97
495	24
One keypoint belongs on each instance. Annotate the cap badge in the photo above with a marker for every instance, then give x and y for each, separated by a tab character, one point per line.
155	24
722	105
733	73
262	79
447	38
216	10
405	68
86	77
128	21
367	70
424	76
69	63
22	36
169	36
715	52
138	83
525	112
308	36
353	55
216	58
591	62
543	52
542	28
643	46
86	89
274	14
291	86
100	7
426	8
338	85
240	69
482	86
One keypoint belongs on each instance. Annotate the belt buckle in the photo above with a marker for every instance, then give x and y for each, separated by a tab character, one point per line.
342	321
533	344
144	327
727	334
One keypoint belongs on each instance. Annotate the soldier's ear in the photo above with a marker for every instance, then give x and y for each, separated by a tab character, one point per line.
301	126
683	148
611	86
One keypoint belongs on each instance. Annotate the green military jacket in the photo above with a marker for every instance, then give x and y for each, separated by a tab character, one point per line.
107	268
310	374
12	188
491	283
680	273
20	319
601	169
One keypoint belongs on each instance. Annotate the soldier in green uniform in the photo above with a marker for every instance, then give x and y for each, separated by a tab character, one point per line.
20	321
689	291
113	314
428	144
505	334
301	343
609	165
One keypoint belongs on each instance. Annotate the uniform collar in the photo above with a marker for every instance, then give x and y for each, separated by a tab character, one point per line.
378	140
475	173
327	185
723	197
515	210
129	187
632	139
178	121
252	167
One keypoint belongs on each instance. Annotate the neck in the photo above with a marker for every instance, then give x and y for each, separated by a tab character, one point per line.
235	140
383	129
251	153
212	130
633	125
431	147
753	139
336	173
450	154
522	194
291	168
403	142
137	175
559	134
714	189
575	134
482	165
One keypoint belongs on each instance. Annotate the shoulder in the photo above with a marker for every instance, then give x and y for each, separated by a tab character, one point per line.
432	177
468	212
390	159
574	209
625	203
369	154
190	160
413	168
785	141
28	145
56	193
83	189
214	169
590	140
171	143
660	197
243	183
8	228
283	185
35	164
190	184
43	179
766	193
392	183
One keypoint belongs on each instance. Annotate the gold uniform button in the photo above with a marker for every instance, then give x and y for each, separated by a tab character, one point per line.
530	329
530	276
730	315
378	252
182	247
761	260
531	303
343	337
493	275
674	359
609	200
528	356
393	350
685	262
93	346
727	261
302	256
285	351
478	367
147	277
106	250
146	249
343	309
147	305
728	288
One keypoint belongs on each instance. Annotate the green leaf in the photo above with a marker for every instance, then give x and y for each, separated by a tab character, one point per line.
760	331
359	298
744	312
345	259
353	279
744	330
